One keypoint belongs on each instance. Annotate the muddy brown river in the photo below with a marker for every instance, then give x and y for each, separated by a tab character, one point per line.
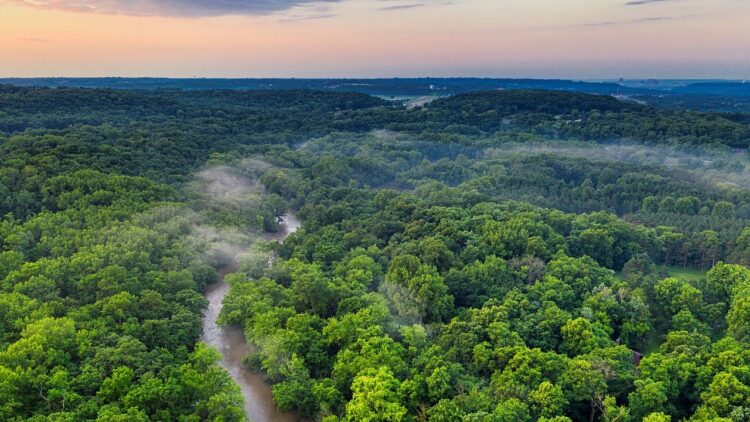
230	341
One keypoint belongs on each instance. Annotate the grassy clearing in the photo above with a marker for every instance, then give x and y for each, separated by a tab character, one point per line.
655	339
691	274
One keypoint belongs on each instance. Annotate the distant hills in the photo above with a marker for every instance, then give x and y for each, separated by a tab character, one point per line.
704	95
397	86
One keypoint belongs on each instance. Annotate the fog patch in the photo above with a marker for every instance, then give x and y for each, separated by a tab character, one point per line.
227	212
223	246
384	134
716	166
227	185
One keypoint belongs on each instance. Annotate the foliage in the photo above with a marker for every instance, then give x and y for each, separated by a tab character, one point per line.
442	273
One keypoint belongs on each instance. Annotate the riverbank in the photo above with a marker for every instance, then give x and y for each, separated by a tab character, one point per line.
230	342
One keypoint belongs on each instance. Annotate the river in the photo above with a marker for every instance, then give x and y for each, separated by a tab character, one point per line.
230	341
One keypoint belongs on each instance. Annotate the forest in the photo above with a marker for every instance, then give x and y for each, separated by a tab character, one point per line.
494	256
724	96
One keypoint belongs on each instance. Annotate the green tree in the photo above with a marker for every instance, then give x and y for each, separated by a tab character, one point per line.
649	397
548	400
375	397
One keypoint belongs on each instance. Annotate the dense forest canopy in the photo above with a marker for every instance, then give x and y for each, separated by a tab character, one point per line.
494	256
710	95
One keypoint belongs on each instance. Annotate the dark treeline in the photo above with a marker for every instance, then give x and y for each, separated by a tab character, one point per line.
380	86
550	113
404	86
450	266
558	115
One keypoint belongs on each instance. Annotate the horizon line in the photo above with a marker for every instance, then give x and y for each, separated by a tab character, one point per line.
321	78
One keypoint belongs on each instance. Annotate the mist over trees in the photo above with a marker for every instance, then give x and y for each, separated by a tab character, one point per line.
494	256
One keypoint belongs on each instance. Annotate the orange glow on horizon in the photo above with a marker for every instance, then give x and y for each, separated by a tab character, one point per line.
471	38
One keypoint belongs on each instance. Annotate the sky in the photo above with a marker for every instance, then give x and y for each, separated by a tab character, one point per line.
578	39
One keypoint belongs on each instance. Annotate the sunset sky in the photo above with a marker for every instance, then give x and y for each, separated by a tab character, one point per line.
370	38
